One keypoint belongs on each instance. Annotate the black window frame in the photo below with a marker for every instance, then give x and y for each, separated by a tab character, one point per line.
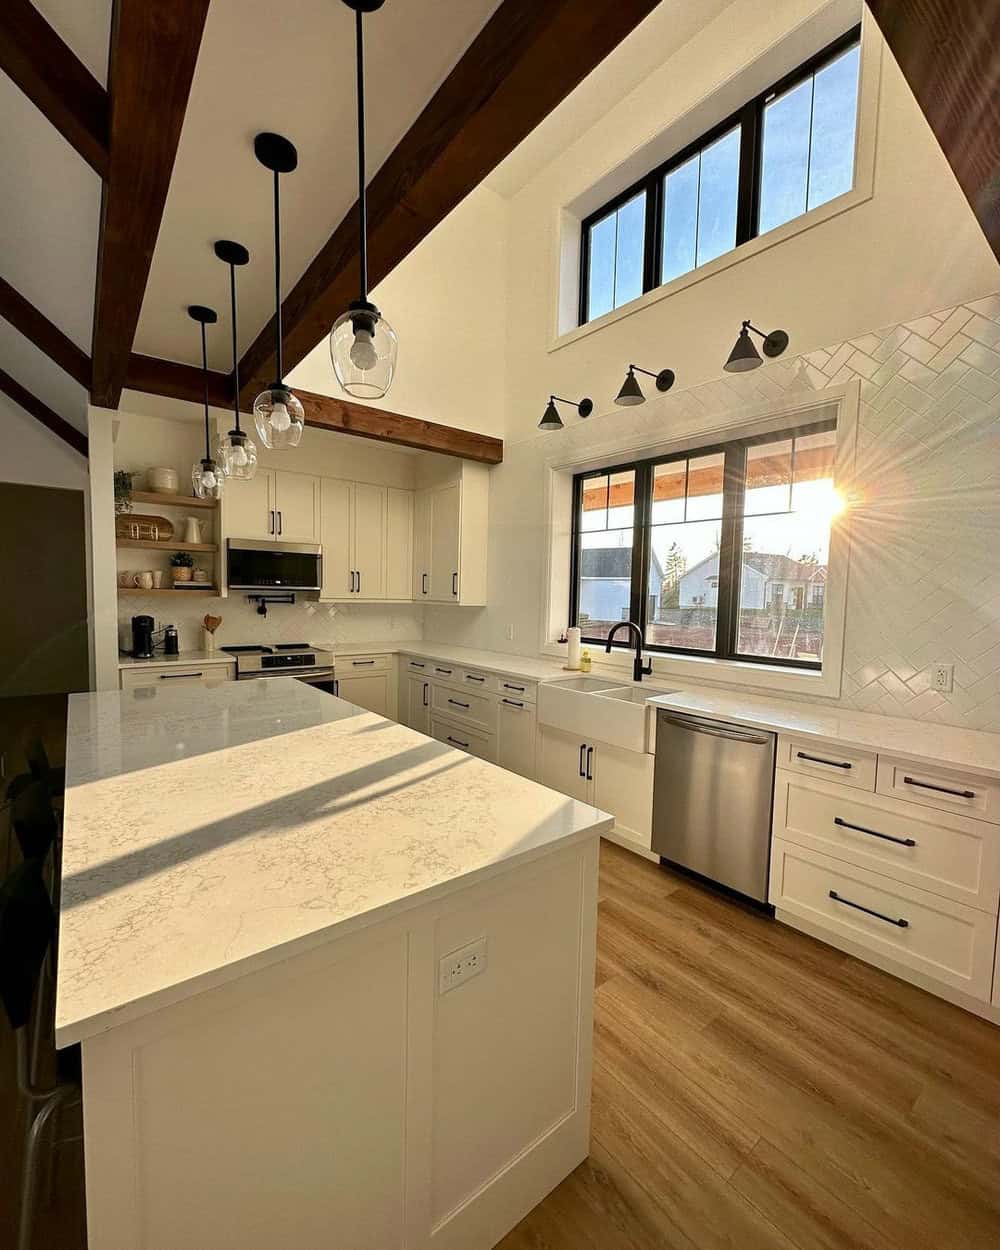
749	119
734	452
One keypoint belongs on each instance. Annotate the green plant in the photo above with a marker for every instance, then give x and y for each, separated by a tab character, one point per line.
181	560
123	490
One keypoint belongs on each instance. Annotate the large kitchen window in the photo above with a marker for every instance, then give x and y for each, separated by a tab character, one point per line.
721	551
787	151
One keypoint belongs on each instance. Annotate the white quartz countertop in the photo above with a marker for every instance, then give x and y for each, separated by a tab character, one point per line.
531	668
209	832
948	745
185	658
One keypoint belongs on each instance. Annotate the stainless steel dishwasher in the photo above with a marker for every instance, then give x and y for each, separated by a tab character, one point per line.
713	784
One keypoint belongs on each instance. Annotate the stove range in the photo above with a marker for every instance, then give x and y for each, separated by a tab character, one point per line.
285	659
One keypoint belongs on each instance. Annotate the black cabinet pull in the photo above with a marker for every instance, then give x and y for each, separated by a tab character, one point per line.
900	924
458	703
174	676
417	664
423	583
448	671
457	743
425	694
270	524
473	677
512	703
359	581
583	747
336	688
279	522
927	785
818	759
873	833
590	760
507	686
361	663
454	584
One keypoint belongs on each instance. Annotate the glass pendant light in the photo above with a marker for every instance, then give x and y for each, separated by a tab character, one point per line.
363	344
277	413
236	453
745	356
206	476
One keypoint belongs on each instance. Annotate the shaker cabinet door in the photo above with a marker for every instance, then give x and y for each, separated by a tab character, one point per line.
248	507
335	536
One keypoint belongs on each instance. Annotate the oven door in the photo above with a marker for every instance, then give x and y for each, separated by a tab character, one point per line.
323	679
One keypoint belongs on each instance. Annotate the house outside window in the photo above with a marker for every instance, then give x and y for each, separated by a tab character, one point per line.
785	152
719	552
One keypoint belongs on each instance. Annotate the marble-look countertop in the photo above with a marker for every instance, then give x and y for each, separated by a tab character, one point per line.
210	832
969	749
185	657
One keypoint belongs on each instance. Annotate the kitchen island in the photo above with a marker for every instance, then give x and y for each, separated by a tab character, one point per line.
332	979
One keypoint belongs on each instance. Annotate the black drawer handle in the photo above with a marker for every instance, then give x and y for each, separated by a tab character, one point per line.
900	924
473	677
583	749
457	743
512	703
458	703
818	759
959	794
361	663
174	676
590	759
454	583
444	670
873	833
507	686
425	694
423	583
417	664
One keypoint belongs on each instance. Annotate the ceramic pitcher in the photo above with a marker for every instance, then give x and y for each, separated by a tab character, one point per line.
192	530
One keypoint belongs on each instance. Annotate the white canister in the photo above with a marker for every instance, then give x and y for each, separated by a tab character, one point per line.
163	481
573	650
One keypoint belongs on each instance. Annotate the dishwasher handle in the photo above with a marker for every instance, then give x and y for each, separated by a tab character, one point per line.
716	730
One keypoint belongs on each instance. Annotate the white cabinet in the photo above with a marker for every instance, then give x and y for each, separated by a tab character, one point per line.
421	545
450	538
418	703
370	691
516	736
173	674
369	528
399	544
336	536
615	780
274	504
446	519
562	763
366	533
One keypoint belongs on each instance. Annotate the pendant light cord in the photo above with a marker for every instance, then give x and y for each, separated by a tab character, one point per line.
204	378
277	281
362	196
236	359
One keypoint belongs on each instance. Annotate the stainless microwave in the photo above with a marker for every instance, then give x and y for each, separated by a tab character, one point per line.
252	565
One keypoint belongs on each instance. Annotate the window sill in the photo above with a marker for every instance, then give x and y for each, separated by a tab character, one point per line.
766	678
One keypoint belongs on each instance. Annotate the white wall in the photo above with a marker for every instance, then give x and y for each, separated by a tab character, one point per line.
447	304
34	455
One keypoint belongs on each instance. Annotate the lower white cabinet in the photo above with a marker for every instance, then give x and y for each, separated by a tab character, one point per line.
417	708
176	675
516	732
370	691
465	737
615	780
562	763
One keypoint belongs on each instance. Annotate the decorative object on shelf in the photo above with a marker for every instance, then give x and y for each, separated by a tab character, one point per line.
236	452
209	625
192	530
277	413
631	392
363	345
157	579
145	528
144	580
206	476
551	419
745	356
200	575
126	578
163	481
181	564
123	491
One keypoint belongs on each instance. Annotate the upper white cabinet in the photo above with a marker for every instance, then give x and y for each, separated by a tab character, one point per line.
274	504
399	544
450	537
367	537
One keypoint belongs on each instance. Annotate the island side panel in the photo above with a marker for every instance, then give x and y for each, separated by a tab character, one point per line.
339	1098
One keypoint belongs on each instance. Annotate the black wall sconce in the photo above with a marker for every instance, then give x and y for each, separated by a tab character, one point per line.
631	392
745	356
551	419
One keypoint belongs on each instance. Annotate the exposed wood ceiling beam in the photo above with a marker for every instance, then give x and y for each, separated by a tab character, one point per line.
55	80
42	412
365	421
154	48
947	50
47	337
525	60
177	381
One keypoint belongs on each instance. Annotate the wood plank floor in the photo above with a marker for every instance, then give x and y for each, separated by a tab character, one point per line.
753	1089
758	1090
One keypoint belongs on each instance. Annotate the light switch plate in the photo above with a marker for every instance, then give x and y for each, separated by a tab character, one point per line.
458	967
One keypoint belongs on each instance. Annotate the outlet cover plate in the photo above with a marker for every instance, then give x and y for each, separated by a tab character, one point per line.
943	678
460	966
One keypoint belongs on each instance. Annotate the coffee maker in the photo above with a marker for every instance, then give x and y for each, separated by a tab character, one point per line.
142	637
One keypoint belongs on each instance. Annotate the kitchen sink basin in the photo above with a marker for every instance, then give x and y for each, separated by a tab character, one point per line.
599	710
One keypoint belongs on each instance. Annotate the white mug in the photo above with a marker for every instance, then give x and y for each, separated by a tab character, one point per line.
144	580
157	579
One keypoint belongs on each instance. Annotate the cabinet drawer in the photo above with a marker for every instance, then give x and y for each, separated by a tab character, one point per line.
517	688
940	939
206	675
947	854
944	788
421	667
827	759
476	679
351	665
464	705
465	738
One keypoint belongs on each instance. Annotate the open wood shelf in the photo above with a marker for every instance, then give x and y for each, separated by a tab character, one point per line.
172	501
168	590
150	544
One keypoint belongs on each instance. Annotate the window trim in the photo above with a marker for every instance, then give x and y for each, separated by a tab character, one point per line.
730	548
749	119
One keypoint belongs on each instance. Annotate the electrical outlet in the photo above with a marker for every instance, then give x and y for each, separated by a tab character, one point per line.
943	678
462	965
509	633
